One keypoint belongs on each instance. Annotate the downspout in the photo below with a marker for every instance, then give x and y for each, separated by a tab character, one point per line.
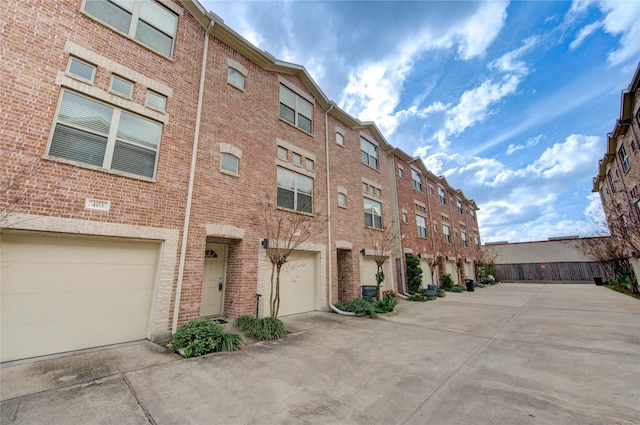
194	154
329	198
398	231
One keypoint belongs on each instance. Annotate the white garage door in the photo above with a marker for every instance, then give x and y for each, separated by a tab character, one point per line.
427	277
62	293
451	268
469	271
298	287
368	271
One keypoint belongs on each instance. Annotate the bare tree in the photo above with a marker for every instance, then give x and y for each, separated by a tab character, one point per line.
13	193
285	231
382	244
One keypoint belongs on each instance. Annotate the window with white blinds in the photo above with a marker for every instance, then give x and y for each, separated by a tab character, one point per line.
95	133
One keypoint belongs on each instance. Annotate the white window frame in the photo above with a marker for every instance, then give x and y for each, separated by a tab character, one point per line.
236	78
624	159
422	229
112	138
401	172
115	78
372	214
135	18
340	139
342	200
405	217
300	101
442	195
94	69
369	154
446	233
612	183
416	180
459	206
463	237
296	192
160	97
233	172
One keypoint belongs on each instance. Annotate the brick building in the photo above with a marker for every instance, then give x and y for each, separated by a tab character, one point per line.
436	222
618	179
145	143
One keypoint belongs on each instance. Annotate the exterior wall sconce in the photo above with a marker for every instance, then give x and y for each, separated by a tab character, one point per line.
265	243
362	251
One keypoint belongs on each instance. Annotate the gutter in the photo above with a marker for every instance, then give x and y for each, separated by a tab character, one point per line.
194	154
329	240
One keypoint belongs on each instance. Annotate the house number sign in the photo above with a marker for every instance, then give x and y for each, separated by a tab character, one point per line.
96	204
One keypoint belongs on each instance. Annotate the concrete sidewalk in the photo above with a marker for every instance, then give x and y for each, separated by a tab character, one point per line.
504	354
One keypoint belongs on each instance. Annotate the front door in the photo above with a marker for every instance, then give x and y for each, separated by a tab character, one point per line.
213	281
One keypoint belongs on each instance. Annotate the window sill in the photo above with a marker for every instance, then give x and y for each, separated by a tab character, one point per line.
229	173
296	211
369	166
373	228
100	169
295	126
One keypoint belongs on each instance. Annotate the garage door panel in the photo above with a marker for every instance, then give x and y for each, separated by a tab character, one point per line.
62	293
368	274
297	285
427	278
23	309
28	341
25	278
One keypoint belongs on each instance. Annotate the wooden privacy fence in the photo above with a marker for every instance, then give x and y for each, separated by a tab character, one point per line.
549	272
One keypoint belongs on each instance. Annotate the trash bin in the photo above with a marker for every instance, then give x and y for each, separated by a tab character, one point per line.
369	292
470	285
432	288
598	281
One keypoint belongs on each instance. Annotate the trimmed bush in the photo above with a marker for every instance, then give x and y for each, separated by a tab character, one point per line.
387	303
446	281
441	293
457	288
202	336
265	329
358	306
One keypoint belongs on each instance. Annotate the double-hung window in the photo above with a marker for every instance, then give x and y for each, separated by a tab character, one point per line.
295	191
443	199
446	233
372	214
421	222
98	134
146	21
463	236
459	205
295	109
612	182
368	153
624	160
476	242
416	180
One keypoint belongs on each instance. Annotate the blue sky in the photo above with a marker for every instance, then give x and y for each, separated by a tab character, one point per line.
511	101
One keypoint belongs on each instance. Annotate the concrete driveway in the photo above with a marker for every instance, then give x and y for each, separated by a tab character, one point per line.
506	354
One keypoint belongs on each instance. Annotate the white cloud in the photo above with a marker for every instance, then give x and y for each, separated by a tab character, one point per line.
584	33
528	144
481	29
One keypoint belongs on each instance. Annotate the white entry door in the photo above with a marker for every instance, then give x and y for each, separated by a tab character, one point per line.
213	281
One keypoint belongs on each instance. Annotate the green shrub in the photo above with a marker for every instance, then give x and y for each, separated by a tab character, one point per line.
414	273
423	295
202	336
358	306
441	293
387	303
479	285
265	329
457	288
417	297
488	280
446	281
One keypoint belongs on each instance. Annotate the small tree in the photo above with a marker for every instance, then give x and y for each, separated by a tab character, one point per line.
382	243
285	231
13	193
414	273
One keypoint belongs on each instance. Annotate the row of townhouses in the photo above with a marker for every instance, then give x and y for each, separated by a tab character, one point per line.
142	142
618	179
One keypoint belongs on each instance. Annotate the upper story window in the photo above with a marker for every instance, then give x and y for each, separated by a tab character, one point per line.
634	148
624	160
339	139
421	223
459	205
472	213
81	69
156	101
463	236
146	21
235	78
441	195
98	134
368	153
476	242
229	163
416	180
342	200
283	153
612	182
295	109
372	214
446	233
638	208
121	86
405	217
400	172
295	191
